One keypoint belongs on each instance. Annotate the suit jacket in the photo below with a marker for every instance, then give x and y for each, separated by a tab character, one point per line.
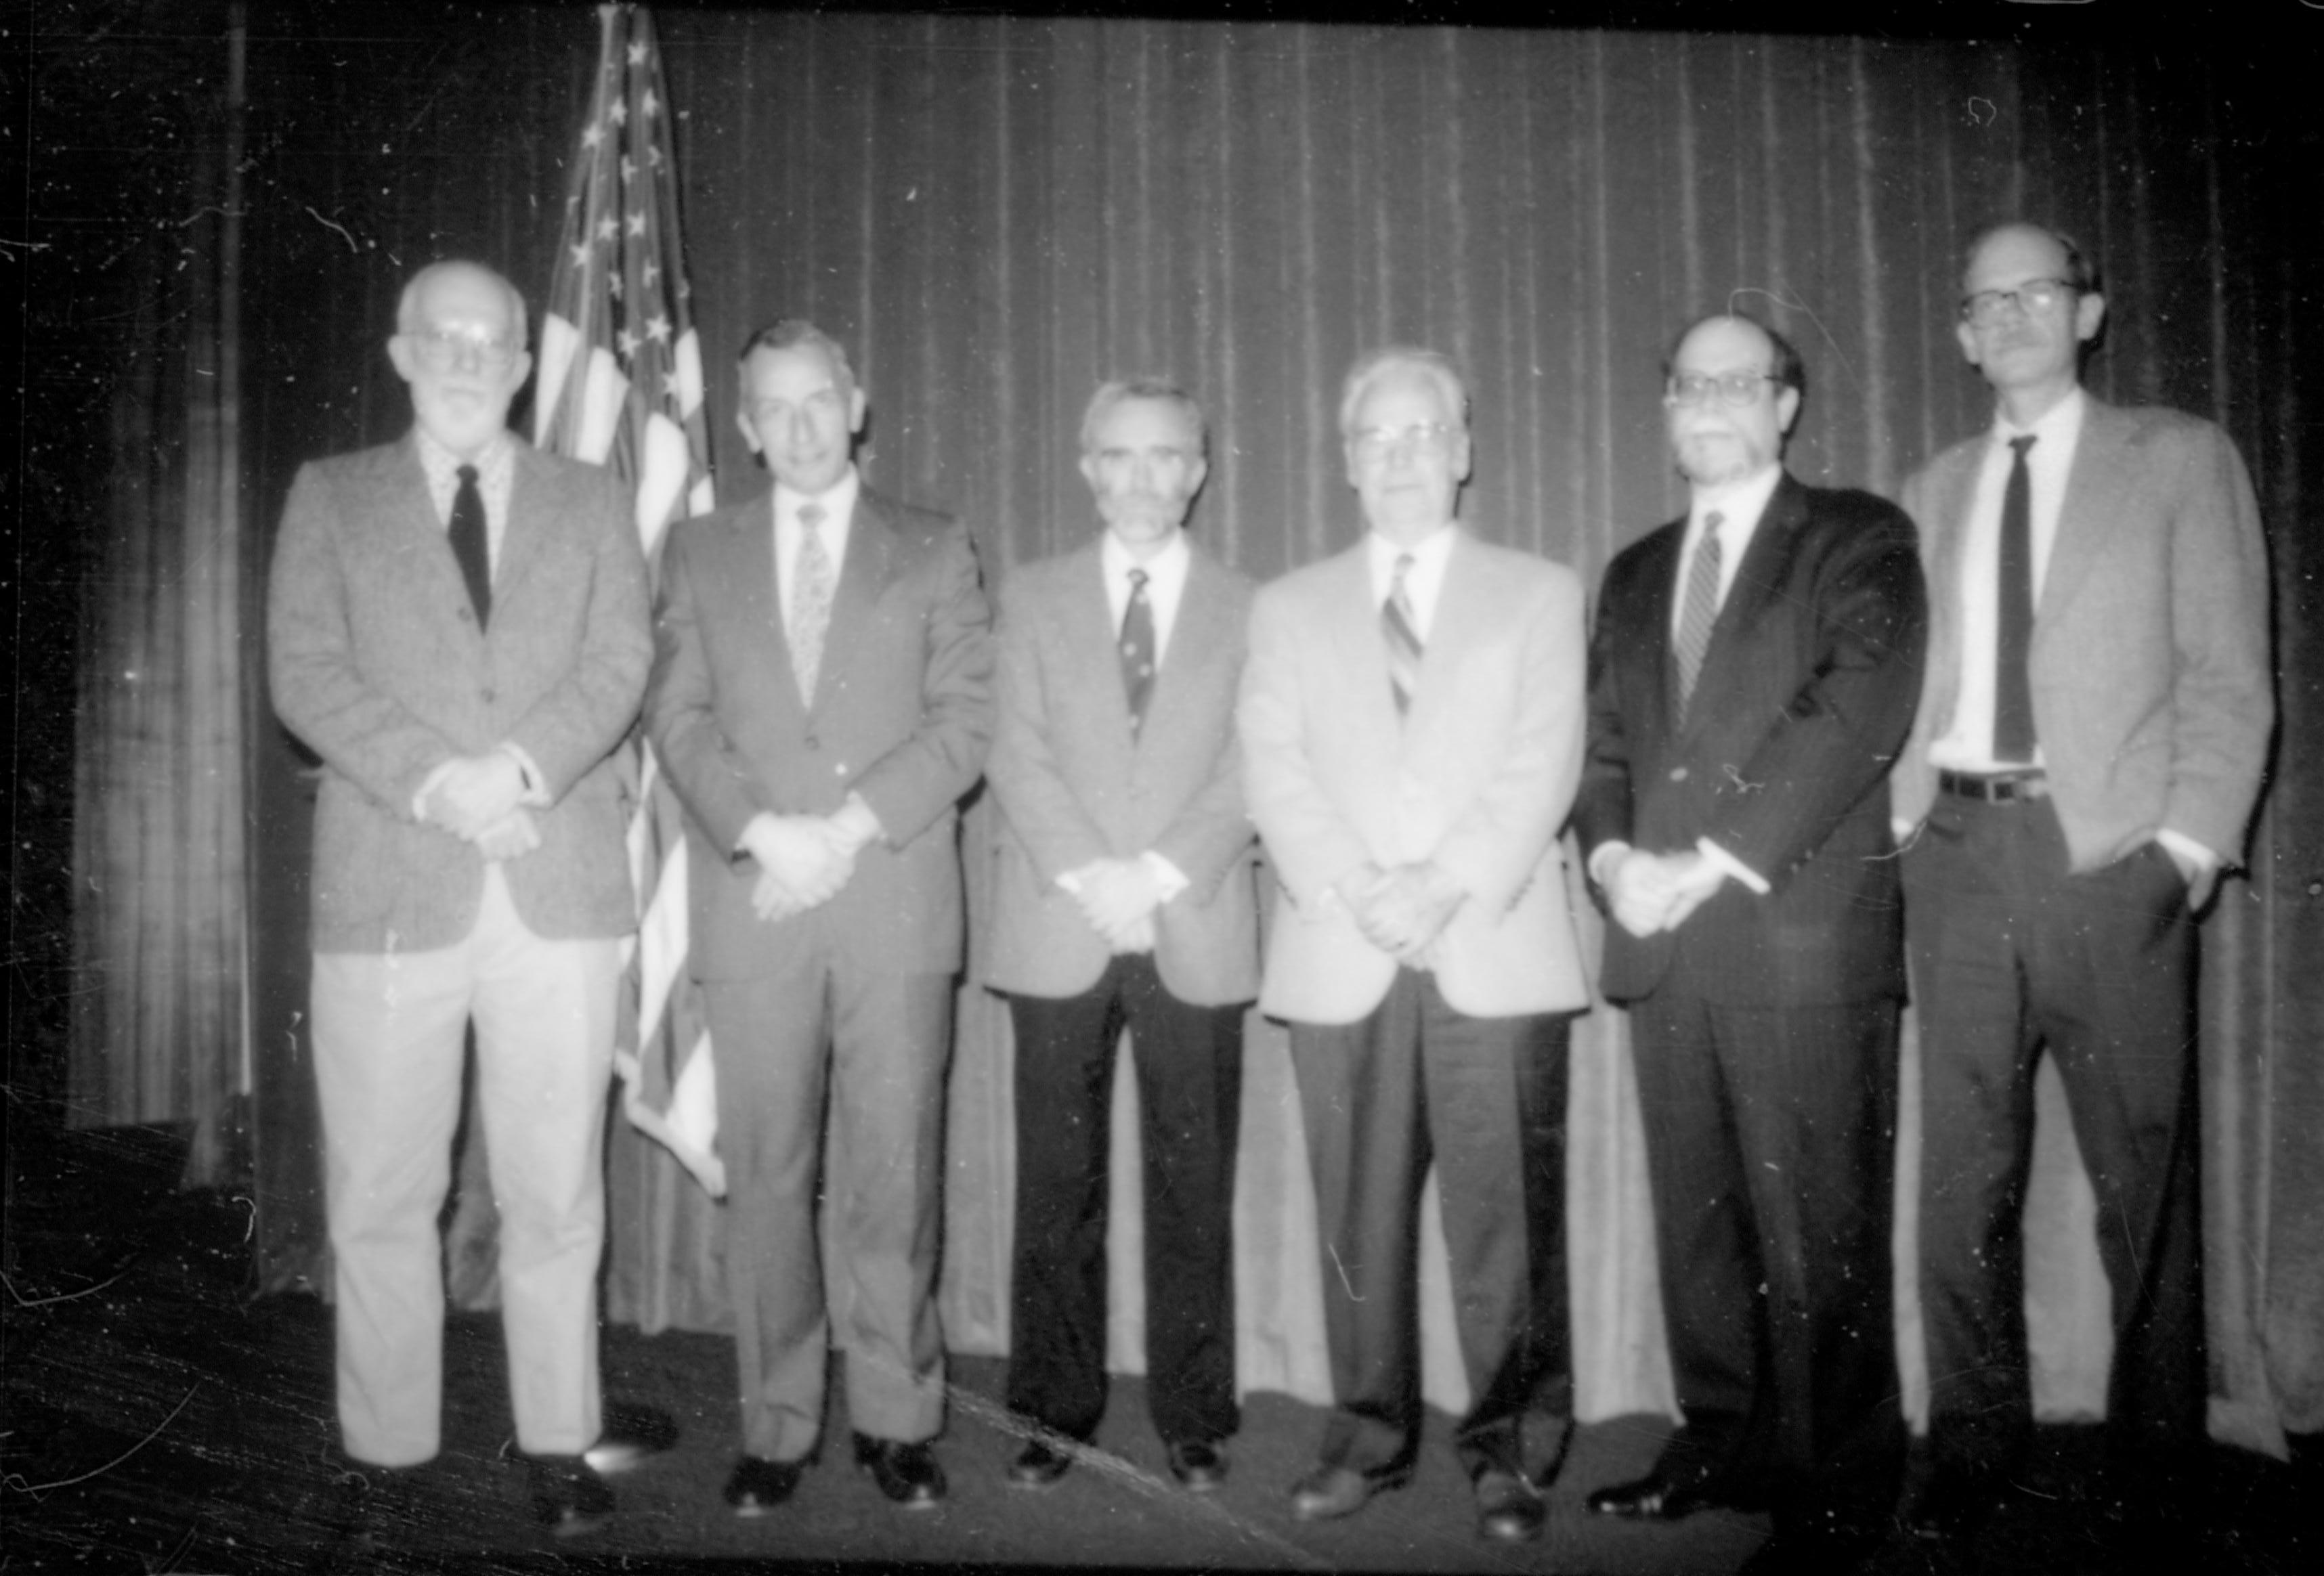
1074	785
902	716
377	662
2152	697
1478	776
1804	695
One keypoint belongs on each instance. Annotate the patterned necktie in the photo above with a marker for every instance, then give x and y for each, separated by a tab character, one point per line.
810	601
1137	650
469	547
1701	610
2013	691
1401	629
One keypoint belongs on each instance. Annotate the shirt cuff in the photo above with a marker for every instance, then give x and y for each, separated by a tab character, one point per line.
1901	829
1602	857
2186	847
536	785
857	821
1170	880
1732	866
428	785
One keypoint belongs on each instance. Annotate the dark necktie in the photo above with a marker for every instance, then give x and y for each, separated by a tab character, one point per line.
1701	609
2013	691
1401	629
469	546
1137	650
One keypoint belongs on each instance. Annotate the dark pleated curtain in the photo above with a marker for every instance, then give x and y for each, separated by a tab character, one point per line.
995	214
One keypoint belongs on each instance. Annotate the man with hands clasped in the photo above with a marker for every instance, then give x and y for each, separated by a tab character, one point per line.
1124	895
821	700
1752	674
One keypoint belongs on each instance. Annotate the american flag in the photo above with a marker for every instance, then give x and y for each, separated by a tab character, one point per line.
621	384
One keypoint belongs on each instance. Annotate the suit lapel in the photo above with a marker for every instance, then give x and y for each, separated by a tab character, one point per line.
1087	616
862	576
1758	581
2095	490
416	541
1362	653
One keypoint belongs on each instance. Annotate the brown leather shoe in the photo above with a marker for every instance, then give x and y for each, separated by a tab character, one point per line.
1198	1464
1037	1466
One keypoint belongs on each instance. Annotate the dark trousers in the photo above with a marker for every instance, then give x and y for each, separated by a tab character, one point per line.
1771	1152
1412	1082
1188	1062
2012	955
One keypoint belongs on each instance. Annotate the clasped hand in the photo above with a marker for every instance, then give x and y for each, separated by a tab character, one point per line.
476	800
1402	911
1118	897
1658	892
803	861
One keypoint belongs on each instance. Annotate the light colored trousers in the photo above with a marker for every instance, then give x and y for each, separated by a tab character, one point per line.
388	1042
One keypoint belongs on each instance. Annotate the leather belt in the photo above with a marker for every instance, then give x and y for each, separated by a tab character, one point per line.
1996	788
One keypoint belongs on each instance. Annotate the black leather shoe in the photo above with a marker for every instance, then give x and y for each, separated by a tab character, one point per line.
1508	1510
1198	1464
568	1498
1950	1509
1329	1492
1037	1466
1666	1494
759	1485
908	1474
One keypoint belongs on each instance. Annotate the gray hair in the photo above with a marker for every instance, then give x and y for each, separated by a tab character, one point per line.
790	334
1120	390
1375	365
406	305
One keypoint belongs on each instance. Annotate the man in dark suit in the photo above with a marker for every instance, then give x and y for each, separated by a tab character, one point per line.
2089	747
1752	676
456	624
1125	895
821	699
1412	727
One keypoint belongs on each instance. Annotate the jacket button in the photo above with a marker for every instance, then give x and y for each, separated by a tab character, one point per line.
812	742
489	697
1678	774
839	769
466	616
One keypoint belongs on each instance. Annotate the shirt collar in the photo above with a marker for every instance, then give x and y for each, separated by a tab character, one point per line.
2057	427
1427	555
838	500
1169	563
1740	503
443	465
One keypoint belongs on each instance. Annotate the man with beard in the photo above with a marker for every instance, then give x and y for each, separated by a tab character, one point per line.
1753	673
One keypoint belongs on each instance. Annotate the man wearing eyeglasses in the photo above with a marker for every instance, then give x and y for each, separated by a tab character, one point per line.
1412	724
1753	673
2087	753
1124	895
458	625
821	697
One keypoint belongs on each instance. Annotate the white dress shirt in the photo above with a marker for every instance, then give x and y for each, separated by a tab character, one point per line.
1423	583
1166	584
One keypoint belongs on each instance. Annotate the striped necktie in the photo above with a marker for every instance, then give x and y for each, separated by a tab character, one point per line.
1701	610
1401	631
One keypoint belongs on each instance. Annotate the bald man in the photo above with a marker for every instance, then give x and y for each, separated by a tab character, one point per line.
458	624
1752	675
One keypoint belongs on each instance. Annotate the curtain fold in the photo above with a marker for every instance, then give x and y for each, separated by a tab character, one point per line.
996	213
160	920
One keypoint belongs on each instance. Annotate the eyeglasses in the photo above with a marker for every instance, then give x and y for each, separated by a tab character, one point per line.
1731	388
1372	442
441	349
2035	295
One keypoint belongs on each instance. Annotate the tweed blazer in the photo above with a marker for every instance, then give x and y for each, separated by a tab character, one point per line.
1478	776
902	714
2153	695
376	663
1805	693
1073	784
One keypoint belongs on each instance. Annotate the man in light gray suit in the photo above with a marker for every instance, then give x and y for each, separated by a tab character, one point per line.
2093	725
1124	895
458	625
